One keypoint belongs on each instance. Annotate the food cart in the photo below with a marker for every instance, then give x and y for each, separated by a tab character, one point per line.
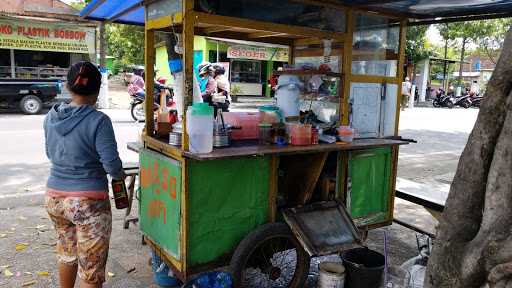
202	211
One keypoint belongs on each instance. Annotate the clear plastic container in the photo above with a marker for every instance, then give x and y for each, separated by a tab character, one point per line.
200	128
300	134
346	134
270	115
247	122
265	134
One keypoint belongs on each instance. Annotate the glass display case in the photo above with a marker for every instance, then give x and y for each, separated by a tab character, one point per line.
375	45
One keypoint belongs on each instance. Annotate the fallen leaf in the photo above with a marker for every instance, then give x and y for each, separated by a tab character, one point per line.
28	273
5	266
130	270
3	235
22	218
18	274
29	283
13	229
21	246
43	273
8	273
110	274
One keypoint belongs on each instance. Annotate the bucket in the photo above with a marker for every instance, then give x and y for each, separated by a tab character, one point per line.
332	275
364	268
161	274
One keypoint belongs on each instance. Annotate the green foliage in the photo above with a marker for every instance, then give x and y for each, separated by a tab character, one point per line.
417	47
487	34
125	43
79	4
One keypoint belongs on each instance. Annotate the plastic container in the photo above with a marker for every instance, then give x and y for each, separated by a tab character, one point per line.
265	134
364	268
346	134
161	272
246	121
300	134
270	114
332	275
287	94
200	128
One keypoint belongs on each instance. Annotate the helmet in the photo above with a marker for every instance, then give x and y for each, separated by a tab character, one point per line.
219	69
138	70
407	79
204	68
162	80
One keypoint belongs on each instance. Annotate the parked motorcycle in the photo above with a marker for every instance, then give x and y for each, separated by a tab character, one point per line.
463	101
443	100
476	101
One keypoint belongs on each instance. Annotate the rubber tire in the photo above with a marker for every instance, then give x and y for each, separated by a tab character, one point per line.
31	97
449	104
261	234
435	104
466	104
132	110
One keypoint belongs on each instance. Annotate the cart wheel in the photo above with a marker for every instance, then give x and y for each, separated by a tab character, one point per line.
270	256
31	105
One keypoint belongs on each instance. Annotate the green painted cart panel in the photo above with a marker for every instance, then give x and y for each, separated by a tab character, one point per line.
227	199
160	181
368	193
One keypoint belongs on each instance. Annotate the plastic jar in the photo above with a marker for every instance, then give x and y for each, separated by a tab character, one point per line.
300	134
200	128
346	134
270	114
265	133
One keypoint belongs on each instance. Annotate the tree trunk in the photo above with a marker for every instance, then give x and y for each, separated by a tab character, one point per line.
474	243
461	66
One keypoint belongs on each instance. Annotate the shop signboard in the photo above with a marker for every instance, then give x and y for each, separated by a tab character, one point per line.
160	198
46	36
258	53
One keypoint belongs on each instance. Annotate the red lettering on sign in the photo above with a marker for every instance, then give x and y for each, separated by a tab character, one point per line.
172	187
155	208
160	177
6	29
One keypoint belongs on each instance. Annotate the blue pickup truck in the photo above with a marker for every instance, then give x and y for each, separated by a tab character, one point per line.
28	95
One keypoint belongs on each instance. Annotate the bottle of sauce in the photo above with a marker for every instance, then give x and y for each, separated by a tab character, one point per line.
120	195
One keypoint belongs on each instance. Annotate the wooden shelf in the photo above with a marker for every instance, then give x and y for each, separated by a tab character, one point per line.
308	73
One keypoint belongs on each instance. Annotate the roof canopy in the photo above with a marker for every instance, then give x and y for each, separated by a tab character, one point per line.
421	11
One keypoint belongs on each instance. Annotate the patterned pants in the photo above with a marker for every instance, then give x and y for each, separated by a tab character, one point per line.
83	227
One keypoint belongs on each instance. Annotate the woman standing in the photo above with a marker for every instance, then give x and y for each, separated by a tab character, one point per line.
81	146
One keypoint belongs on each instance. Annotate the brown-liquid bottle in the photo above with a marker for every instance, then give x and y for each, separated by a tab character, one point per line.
120	195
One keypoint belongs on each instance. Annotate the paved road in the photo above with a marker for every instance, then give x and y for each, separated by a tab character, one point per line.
441	134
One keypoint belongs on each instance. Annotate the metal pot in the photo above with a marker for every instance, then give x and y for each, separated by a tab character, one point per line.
222	138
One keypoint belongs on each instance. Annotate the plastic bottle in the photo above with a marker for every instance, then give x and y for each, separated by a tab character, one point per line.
200	128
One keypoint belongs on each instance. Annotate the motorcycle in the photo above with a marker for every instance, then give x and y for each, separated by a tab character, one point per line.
443	100
463	101
476	101
137	104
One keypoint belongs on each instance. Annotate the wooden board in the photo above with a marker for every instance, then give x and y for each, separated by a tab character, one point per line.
301	173
257	150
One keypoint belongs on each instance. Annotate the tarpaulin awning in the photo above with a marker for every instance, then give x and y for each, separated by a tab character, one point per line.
423	11
118	11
